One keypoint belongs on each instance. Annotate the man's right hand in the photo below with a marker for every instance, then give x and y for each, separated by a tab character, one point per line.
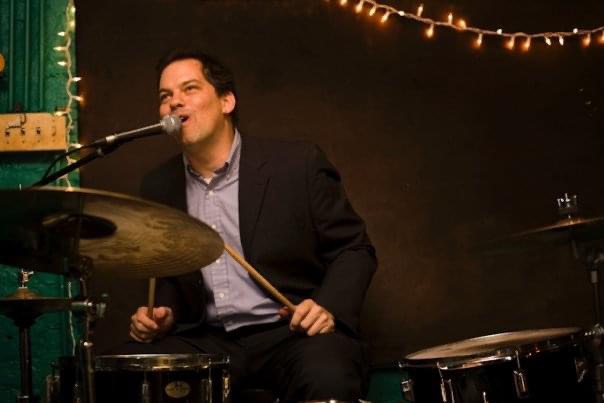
144	329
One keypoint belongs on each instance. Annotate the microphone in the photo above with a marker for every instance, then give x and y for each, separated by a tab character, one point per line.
169	124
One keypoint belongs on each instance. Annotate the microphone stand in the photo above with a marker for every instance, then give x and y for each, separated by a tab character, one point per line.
99	152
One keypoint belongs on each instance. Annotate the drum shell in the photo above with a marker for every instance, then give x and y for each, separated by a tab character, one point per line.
553	375
203	381
120	379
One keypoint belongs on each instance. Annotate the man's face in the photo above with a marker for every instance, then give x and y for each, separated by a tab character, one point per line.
185	92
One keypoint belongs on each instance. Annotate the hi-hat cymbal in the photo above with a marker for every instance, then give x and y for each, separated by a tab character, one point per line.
45	229
26	304
562	232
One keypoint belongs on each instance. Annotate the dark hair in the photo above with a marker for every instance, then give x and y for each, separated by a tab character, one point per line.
217	74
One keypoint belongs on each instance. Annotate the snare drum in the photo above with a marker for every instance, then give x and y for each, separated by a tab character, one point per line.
547	365
159	378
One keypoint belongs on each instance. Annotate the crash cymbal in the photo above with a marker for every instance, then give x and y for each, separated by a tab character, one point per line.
25	304
47	229
562	232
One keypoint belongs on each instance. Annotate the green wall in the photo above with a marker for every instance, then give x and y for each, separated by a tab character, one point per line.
31	82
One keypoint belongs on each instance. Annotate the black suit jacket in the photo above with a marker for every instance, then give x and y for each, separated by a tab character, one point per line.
297	229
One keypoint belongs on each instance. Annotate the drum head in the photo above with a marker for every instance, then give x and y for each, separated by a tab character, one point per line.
495	347
157	362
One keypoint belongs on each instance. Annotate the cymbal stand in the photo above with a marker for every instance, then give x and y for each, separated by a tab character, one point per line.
93	309
84	389
593	259
24	322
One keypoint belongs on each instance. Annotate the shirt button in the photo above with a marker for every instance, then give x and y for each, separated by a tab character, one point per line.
213	226
220	295
211	193
217	260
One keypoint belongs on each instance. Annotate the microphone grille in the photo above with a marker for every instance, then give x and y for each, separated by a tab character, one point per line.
171	124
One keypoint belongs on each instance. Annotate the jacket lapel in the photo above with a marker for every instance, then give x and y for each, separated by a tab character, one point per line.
253	181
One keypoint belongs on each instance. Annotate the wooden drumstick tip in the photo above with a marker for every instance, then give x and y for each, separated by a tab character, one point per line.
151	299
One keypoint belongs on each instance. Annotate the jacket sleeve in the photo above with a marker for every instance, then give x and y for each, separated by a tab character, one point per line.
343	243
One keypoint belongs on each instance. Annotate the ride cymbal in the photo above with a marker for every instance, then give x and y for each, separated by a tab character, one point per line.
55	229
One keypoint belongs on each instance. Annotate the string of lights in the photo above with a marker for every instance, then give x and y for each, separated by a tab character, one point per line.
65	49
66	62
511	39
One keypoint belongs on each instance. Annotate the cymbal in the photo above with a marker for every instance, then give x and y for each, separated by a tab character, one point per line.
562	232
27	304
43	228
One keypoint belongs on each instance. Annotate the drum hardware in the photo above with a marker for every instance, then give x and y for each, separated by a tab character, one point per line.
206	390
528	366
520	381
451	391
567	206
145	392
76	232
580	368
23	307
520	384
52	386
407	389
578	233
226	385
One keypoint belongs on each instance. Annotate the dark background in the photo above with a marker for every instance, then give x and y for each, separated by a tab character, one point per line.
440	146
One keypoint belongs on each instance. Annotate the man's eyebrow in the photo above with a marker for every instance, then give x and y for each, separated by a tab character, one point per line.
193	80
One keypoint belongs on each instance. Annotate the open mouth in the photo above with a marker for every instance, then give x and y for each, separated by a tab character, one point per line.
183	119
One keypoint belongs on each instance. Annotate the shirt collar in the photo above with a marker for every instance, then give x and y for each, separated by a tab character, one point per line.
231	165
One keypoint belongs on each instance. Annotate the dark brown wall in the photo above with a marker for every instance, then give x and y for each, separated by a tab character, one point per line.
440	146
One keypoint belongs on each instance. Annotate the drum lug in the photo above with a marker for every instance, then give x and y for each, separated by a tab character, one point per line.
145	392
52	384
520	383
580	368
407	389
226	385
444	383
206	390
77	393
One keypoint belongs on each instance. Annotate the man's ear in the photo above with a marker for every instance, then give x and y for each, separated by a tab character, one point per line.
228	103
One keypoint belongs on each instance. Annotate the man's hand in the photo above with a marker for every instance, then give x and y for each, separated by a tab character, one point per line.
144	329
310	318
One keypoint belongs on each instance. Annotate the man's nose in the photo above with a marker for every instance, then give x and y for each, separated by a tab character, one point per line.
176	101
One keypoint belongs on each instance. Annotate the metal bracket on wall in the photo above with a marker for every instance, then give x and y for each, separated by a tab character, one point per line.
32	132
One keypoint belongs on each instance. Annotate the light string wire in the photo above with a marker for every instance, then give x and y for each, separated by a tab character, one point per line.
460	25
65	50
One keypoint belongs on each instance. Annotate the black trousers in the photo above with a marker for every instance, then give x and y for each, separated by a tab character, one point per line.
294	366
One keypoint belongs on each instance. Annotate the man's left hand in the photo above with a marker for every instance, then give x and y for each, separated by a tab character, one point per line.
310	318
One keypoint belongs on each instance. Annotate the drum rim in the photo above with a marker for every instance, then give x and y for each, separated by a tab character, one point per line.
158	362
507	353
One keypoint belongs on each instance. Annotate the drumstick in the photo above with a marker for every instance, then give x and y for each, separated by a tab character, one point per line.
258	278
151	300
